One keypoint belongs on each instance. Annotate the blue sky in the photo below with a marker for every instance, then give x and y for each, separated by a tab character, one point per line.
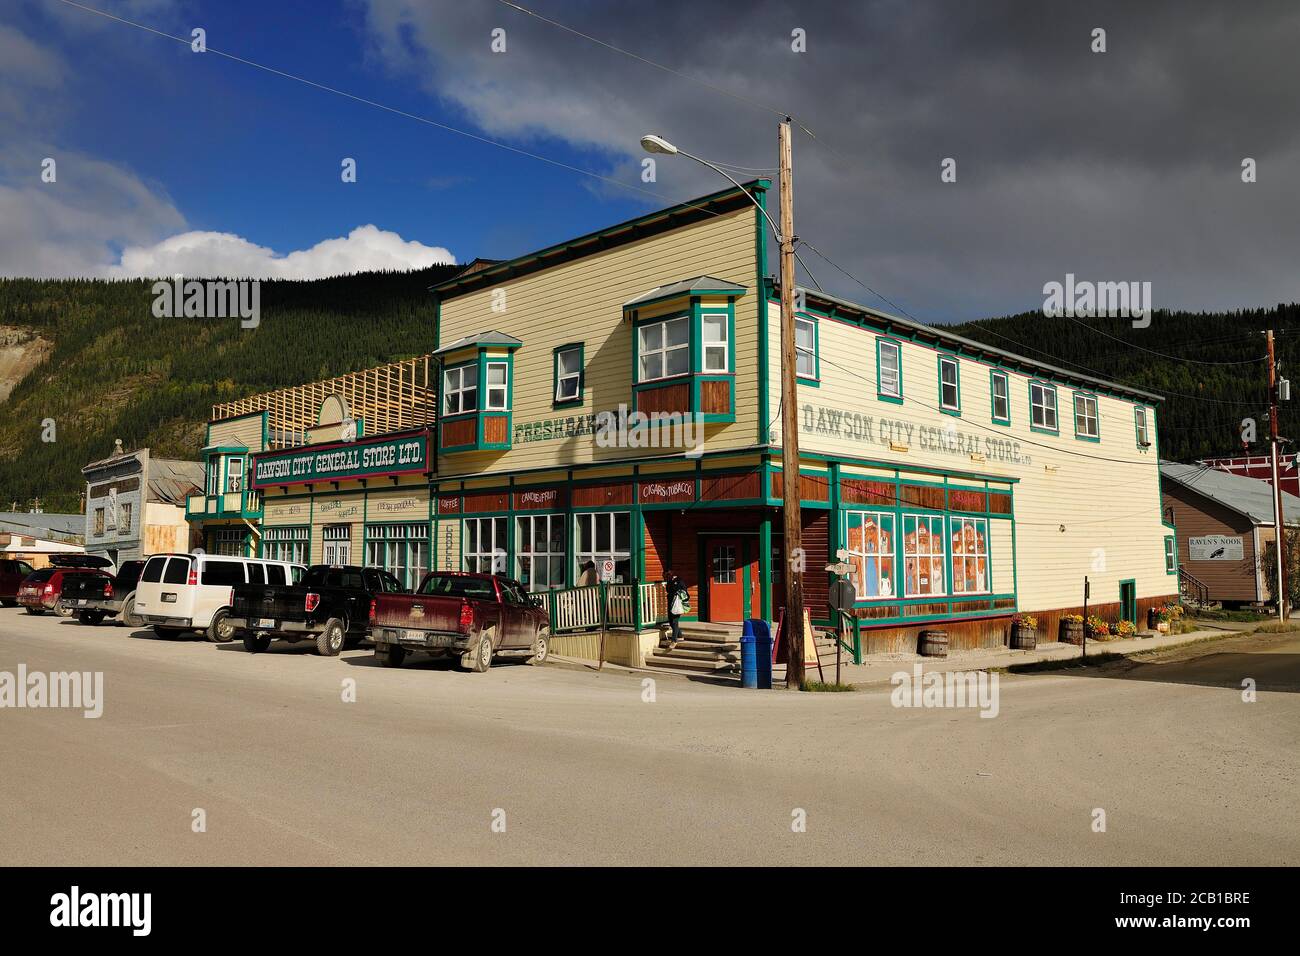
1122	165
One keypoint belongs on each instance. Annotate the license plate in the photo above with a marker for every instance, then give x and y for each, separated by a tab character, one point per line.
413	636
265	622
80	602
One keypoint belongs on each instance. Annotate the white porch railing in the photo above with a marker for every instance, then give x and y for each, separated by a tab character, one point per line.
620	605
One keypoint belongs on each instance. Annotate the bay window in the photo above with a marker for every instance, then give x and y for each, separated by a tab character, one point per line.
664	348
498	386
714	327
460	389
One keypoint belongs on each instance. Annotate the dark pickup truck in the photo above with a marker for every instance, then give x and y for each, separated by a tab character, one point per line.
92	598
453	613
330	605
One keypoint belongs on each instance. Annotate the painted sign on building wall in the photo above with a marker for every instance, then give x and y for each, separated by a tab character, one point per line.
393	456
882	430
1216	547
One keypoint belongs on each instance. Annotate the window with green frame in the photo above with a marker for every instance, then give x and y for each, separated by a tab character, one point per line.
1087	417
1000	396
889	370
1142	430
1171	555
568	375
949	385
807	359
1042	408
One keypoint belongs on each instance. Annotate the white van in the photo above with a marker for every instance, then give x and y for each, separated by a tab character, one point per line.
191	592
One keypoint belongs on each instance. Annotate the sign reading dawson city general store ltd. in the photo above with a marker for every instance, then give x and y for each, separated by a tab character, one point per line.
879	430
408	454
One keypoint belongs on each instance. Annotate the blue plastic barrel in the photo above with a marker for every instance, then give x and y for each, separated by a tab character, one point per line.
756	655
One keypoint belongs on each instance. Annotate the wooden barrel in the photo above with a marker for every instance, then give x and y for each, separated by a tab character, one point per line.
932	644
1071	632
1023	638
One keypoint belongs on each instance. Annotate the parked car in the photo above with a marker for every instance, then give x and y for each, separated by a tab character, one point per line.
474	616
191	592
40	590
331	605
92	600
12	573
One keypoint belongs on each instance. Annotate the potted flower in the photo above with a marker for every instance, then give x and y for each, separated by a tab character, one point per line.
1125	629
1024	632
1071	628
1098	629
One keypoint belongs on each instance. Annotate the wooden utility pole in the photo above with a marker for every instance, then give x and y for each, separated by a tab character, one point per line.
1278	527
791	502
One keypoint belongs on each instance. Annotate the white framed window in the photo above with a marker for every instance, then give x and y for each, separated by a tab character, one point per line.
229	542
1086	422
1000	393
949	392
286	544
234	475
664	348
400	549
1171	556
889	379
924	553
498	386
568	374
603	535
716	345
805	347
214	476
539	551
869	537
1042	406
970	555
337	540
460	389
1140	424
484	545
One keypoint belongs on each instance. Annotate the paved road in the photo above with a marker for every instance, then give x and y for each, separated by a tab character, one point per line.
586	771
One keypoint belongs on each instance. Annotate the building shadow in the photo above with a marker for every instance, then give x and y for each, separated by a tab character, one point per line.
1270	672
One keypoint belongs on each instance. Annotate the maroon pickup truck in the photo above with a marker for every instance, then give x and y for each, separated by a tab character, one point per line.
473	616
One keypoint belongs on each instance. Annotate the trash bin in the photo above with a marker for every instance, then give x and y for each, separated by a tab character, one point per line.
756	655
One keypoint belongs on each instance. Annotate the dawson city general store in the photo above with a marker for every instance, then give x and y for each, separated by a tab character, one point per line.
965	482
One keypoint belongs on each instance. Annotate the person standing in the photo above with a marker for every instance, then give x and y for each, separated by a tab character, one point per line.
679	602
588	577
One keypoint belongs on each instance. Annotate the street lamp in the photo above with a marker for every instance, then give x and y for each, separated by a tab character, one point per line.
791	503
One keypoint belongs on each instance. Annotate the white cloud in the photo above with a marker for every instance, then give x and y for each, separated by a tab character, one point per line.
366	248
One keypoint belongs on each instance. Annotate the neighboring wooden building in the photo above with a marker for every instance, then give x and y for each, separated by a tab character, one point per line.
1261	467
135	504
1223	521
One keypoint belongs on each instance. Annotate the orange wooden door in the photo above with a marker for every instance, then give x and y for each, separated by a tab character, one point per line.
725	565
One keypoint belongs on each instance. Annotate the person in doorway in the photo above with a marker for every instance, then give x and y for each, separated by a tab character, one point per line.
678	603
588	576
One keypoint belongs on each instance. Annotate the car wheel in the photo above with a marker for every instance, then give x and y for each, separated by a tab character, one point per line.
35	610
330	641
128	613
256	643
221	630
90	617
480	658
541	648
390	655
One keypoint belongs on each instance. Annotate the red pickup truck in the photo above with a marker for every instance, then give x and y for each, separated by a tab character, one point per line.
473	616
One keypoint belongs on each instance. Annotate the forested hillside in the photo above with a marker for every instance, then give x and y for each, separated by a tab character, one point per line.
116	371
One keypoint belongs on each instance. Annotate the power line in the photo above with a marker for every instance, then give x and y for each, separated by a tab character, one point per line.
1154	352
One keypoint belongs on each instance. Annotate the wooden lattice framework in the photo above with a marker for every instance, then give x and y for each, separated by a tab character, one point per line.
387	398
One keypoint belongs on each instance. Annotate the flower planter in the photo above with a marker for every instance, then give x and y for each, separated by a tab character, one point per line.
1071	632
1023	637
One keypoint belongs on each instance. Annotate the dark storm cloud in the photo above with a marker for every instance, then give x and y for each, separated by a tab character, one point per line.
1123	165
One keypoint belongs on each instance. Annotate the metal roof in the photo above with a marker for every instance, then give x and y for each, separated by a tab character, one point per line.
481	338
173	481
43	524
1250	497
686	287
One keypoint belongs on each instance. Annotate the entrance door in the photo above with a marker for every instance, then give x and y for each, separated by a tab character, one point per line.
338	544
731	574
1128	601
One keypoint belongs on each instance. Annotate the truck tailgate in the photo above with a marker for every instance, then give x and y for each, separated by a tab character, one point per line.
277	602
418	612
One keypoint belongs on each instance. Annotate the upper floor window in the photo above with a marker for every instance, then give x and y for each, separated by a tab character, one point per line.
1086	422
717	347
1042	407
1000	395
498	386
234	475
99	521
949	391
124	518
1140	424
889	369
664	348
805	347
460	389
1171	555
214	476
568	374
